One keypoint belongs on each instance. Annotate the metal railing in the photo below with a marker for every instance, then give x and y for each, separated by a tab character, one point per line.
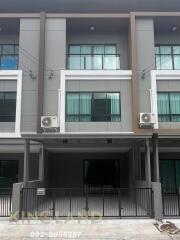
5	202
76	202
93	61
171	202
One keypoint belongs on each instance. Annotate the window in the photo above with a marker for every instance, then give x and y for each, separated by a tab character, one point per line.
103	173
95	57
8	173
167	57
93	107
7	106
169	107
170	174
9	57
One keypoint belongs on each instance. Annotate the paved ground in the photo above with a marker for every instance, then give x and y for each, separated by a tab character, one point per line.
94	230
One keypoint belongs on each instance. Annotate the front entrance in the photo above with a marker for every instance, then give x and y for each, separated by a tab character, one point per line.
170	179
170	174
88	184
102	173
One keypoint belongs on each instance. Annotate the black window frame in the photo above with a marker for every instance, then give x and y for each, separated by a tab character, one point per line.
79	116
171	54
8	118
92	54
170	115
14	54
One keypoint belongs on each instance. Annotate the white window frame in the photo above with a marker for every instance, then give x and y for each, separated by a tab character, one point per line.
160	75
14	75
84	75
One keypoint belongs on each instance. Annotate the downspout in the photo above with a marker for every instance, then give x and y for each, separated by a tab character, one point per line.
41	68
134	83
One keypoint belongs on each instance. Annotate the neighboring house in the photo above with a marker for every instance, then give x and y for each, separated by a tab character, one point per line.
108	85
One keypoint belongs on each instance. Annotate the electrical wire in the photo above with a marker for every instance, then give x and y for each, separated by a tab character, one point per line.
48	69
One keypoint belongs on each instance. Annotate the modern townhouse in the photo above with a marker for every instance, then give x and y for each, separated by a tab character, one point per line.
90	109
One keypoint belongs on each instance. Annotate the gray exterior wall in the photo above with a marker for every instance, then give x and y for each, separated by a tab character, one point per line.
122	86
55	58
29	41
120	39
56	48
145	59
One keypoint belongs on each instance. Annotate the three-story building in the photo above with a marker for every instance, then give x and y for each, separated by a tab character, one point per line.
90	109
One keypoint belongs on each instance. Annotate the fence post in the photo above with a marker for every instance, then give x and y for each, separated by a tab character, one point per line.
119	198
157	201
103	201
21	203
10	202
16	199
136	199
151	205
54	205
86	208
70	203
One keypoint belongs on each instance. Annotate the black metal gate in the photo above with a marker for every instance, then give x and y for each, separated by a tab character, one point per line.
171	202
74	202
5	202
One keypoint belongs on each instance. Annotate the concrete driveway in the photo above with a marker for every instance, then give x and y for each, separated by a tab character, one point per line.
84	229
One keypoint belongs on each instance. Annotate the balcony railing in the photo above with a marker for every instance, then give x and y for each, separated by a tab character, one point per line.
93	62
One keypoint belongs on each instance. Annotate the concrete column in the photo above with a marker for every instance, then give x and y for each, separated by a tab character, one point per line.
145	38
41	164
26	161
29	43
137	160
147	163
16	200
157	201
156	158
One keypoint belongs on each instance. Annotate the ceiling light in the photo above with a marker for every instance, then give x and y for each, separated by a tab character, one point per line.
92	28
174	28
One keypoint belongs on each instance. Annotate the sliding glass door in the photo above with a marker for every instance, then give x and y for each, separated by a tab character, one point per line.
170	174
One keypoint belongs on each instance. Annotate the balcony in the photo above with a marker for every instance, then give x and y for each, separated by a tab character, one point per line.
93	62
167	43
167	57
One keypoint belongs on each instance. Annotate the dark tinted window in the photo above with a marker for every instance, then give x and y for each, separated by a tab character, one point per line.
96	107
7	106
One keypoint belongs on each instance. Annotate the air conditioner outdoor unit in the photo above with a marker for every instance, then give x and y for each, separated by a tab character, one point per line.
146	120
48	122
